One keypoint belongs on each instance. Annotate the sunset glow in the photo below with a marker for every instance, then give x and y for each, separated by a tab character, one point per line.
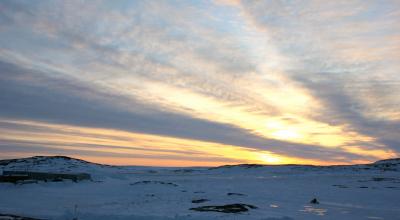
200	83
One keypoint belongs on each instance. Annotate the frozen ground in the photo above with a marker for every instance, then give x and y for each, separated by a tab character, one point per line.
279	192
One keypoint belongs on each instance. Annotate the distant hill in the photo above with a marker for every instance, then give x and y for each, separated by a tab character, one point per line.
385	165
394	161
40	160
66	164
60	164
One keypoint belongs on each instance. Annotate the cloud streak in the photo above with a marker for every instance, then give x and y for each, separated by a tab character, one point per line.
312	81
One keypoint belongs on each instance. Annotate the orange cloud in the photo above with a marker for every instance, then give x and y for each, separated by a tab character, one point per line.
121	147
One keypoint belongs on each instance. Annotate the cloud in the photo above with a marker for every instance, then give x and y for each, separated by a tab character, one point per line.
253	74
48	101
345	55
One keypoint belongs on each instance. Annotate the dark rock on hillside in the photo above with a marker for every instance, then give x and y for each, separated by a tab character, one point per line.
246	166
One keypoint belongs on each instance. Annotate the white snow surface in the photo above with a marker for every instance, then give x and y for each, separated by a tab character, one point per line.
280	192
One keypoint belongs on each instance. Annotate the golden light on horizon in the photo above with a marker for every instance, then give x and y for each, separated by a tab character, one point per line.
270	159
286	127
146	149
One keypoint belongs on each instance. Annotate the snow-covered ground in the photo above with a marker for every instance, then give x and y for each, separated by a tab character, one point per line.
279	192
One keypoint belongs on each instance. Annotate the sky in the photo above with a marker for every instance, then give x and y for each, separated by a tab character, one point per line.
201	83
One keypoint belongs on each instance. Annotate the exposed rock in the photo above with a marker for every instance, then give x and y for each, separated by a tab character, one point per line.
314	201
230	208
246	166
235	194
340	186
379	179
184	171
153	182
200	200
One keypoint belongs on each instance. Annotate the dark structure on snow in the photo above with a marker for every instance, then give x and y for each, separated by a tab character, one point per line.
16	176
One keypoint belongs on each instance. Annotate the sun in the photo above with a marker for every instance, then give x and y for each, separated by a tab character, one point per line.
270	159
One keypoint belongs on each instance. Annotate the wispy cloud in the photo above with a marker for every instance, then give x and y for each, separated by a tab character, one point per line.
310	81
31	137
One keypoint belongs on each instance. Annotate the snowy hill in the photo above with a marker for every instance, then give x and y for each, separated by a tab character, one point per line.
381	165
48	163
58	164
389	162
64	164
247	191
